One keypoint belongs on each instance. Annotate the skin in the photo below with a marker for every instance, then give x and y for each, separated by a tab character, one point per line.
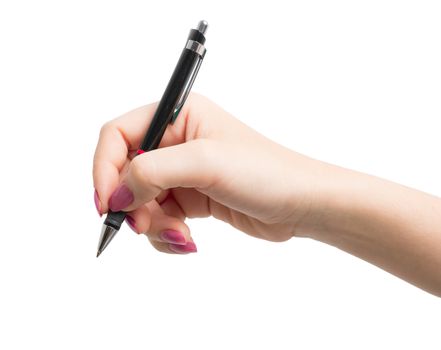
211	164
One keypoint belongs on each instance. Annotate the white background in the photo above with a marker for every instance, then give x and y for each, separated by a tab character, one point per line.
356	83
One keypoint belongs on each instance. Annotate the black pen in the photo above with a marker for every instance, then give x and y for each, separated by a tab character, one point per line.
167	111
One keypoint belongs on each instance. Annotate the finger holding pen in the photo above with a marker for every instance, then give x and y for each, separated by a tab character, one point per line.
153	172
164	226
119	139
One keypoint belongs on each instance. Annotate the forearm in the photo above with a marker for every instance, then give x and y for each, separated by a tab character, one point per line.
389	225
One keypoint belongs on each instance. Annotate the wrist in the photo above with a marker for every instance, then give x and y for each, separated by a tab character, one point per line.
339	199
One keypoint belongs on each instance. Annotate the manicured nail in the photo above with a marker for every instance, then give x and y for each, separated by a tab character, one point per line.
189	247
97	201
121	198
172	236
132	223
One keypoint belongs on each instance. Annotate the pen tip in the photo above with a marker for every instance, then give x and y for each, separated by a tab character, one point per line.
107	234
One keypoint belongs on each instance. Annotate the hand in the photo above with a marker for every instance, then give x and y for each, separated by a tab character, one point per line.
207	164
210	164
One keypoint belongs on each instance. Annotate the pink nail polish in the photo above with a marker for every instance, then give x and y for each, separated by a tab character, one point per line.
172	236
189	247
97	201
132	223
121	198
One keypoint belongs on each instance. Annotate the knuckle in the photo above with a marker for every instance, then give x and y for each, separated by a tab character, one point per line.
138	171
106	128
142	171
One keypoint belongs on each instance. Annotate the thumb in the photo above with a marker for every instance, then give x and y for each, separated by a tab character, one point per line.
192	164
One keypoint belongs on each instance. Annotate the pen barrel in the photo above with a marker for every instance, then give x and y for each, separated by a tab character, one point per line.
163	115
167	105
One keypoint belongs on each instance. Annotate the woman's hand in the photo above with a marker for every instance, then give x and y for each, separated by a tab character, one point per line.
211	164
207	164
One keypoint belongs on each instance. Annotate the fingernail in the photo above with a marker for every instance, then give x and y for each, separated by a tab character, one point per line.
132	223
172	236
97	201
121	198
189	247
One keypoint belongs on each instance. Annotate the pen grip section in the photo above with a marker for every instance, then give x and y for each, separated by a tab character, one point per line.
115	219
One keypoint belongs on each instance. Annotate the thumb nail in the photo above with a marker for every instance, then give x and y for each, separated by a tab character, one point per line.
121	198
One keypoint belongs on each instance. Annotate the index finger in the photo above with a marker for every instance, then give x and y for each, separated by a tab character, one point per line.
117	138
121	136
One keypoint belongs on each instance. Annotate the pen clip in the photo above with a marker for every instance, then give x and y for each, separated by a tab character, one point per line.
186	91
